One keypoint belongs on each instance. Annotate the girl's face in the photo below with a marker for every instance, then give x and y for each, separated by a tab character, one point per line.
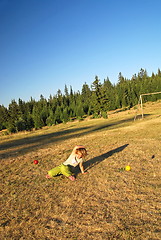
79	155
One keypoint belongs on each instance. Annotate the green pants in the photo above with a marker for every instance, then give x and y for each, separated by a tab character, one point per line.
61	169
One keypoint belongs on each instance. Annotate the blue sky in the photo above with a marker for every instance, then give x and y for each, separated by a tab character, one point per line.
45	44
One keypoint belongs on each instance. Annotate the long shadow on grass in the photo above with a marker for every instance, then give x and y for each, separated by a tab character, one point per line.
96	160
29	144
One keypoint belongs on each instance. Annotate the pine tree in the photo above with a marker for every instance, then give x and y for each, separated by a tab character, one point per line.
14	111
107	95
96	97
79	111
58	115
22	106
51	118
14	114
4	117
20	124
86	98
66	91
59	97
65	115
38	121
122	90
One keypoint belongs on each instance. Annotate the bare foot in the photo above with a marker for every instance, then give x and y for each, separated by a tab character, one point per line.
72	178
47	176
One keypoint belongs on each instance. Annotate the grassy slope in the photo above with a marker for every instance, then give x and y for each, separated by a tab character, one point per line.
107	203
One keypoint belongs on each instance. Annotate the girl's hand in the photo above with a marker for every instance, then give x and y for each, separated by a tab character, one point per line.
84	172
79	146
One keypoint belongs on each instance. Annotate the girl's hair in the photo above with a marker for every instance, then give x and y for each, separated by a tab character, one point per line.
83	151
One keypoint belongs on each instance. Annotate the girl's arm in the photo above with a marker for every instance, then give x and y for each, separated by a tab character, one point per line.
77	147
82	168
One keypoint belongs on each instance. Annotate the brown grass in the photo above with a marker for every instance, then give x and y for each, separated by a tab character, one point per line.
107	203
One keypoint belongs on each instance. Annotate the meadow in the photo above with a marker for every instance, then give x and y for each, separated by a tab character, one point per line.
107	203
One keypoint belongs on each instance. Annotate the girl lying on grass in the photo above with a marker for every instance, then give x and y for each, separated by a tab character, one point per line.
77	157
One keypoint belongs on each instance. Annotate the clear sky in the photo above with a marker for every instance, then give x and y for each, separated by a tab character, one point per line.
45	44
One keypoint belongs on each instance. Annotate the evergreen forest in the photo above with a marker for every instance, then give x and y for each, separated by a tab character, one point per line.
95	101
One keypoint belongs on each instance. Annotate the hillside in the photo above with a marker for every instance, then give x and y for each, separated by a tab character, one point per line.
107	203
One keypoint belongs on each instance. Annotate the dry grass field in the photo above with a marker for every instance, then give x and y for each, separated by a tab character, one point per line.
107	203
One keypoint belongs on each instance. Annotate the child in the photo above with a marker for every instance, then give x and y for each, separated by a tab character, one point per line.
77	157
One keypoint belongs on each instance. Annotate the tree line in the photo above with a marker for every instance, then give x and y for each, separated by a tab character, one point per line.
95	100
